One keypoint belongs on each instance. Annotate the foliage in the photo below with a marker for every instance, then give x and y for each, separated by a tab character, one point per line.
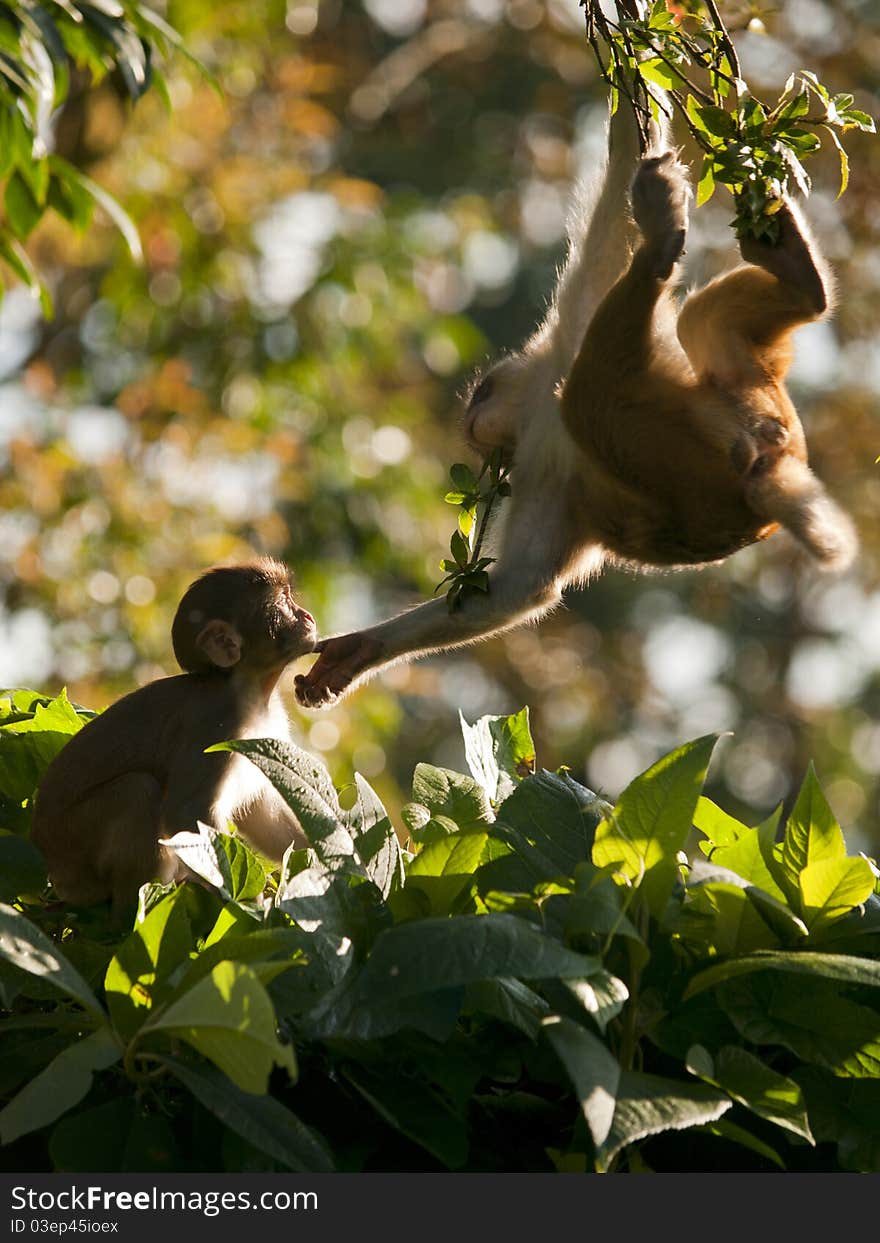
476	497
750	148
536	981
41	46
197	409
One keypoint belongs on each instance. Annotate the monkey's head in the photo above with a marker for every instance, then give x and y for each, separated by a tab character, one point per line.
493	406
241	616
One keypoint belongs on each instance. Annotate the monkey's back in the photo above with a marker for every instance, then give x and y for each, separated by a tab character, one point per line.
129	736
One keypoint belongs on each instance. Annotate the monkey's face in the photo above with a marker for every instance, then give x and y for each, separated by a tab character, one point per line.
491	416
290	629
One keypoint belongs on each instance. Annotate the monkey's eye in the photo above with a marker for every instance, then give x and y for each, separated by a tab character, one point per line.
482	392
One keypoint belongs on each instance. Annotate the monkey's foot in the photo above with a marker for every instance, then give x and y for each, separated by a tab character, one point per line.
342	660
790	259
660	195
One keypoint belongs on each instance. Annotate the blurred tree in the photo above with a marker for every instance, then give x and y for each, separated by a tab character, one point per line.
51	54
374	204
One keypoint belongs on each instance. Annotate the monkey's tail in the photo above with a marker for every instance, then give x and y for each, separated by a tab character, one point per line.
792	495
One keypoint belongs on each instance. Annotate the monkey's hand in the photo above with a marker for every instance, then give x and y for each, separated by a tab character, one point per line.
341	661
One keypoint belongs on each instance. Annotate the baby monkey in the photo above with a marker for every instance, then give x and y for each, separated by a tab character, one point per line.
138	772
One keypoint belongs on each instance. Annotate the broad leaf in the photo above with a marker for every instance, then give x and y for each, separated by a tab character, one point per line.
63	1084
229	1018
753	1084
810	1017
649	1105
414	958
593	1071
138	975
811	834
261	1120
652	820
375	840
845	967
831	887
25	946
499	752
451	795
550	821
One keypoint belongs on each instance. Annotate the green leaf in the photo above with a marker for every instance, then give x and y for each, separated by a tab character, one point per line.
375	841
22	209
118	1136
460	549
463	477
602	996
649	1105
720	828
260	1120
652	820
706	184
845	967
113	209
753	1084
499	751
413	958
751	857
739	1135
830	888
27	947
305	785
844	161
509	1000
809	1017
444	867
550	820
712	120
661	74
229	1019
594	1073
451	795
63	1084
812	833
718	919
29	743
137	978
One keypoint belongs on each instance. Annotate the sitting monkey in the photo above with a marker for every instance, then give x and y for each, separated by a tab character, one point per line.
638	434
138	772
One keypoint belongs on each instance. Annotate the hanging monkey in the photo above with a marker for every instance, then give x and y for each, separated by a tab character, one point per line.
639	435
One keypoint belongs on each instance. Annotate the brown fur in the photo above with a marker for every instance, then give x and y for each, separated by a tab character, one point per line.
649	437
137	773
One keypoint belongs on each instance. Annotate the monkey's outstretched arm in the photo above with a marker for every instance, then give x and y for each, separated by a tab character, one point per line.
525	582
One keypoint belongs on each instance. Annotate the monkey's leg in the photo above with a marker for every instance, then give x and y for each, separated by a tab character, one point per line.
618	349
525	582
796	262
602	239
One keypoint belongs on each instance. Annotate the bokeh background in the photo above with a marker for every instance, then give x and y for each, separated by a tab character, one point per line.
371	206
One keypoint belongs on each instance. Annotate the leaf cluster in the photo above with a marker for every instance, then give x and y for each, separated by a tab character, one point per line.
476	497
520	977
685	61
41	45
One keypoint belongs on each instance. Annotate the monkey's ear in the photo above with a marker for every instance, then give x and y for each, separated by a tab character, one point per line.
221	643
